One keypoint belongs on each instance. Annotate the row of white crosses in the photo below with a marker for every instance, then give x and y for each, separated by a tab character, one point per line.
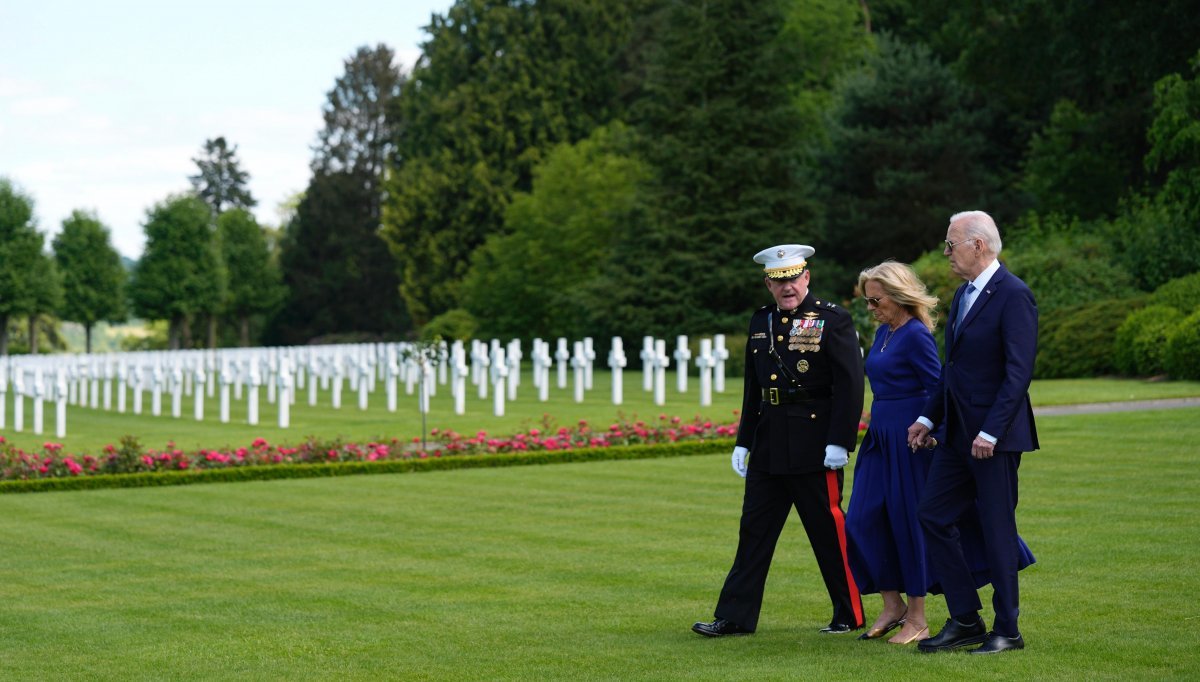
229	375
40	383
710	365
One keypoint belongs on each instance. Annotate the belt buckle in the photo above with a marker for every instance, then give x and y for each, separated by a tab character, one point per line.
773	394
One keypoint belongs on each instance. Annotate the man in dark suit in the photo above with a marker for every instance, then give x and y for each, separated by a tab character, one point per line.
982	402
801	407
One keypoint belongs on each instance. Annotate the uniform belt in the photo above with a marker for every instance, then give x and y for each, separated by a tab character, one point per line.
786	396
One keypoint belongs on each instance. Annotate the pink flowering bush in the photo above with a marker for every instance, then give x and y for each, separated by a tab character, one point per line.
549	436
130	456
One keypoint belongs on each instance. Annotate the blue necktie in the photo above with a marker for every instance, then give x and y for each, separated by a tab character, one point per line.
962	305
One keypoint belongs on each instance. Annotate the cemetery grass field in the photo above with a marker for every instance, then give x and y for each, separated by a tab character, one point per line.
89	430
579	571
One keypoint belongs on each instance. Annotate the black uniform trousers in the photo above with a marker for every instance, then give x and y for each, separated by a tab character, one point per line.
956	481
817	497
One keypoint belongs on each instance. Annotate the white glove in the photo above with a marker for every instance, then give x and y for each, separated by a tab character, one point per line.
836	456
739	460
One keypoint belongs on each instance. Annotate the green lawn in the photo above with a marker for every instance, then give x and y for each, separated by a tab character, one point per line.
1070	391
89	430
588	571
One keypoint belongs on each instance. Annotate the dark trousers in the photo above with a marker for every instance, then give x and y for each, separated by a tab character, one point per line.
817	498
956	481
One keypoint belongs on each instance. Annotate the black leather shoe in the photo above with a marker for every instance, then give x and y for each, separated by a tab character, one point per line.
995	643
837	629
719	628
954	635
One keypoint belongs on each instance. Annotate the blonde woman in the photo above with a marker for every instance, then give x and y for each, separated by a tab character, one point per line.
886	544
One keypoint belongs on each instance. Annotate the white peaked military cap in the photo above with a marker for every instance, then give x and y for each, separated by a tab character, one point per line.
785	261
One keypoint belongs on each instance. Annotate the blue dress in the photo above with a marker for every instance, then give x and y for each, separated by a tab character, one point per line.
884	537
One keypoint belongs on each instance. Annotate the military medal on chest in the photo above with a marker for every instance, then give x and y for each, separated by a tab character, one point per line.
806	334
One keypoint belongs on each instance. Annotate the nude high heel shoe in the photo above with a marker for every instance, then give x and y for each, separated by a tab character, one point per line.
923	633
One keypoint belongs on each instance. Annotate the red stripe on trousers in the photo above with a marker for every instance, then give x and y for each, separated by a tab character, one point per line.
839	521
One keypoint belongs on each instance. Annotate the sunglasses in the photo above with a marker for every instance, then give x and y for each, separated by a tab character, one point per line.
872	301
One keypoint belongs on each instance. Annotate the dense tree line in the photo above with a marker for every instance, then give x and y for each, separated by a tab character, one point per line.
715	126
569	167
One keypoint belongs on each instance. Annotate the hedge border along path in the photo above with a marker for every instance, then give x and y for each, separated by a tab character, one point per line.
398	466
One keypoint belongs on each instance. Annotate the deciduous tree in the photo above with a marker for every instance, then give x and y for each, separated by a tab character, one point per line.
539	278
179	273
255	286
93	279
20	256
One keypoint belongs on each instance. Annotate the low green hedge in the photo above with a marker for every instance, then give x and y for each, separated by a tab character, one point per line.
1141	340
1181	357
1078	341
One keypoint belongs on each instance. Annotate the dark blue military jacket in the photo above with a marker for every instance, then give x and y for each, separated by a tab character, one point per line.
811	396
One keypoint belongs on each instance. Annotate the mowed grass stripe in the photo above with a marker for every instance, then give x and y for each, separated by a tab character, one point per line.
588	571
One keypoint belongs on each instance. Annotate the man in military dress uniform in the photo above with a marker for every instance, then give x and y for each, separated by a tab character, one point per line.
800	413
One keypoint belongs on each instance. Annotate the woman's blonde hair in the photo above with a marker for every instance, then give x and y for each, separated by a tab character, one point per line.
904	287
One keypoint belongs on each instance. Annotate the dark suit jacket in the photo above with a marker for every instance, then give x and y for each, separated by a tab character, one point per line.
984	385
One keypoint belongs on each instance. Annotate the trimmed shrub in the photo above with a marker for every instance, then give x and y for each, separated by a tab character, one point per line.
1182	355
1066	269
1142	338
1159	240
1078	341
1182	293
452	325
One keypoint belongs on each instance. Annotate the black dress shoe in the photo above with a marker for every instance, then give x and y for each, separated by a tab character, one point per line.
954	635
719	628
995	643
837	629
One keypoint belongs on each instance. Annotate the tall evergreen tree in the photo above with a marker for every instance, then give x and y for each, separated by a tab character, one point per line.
721	131
908	147
180	274
357	137
1030	56
20	256
500	82
340	276
221	182
254	281
93	278
338	273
